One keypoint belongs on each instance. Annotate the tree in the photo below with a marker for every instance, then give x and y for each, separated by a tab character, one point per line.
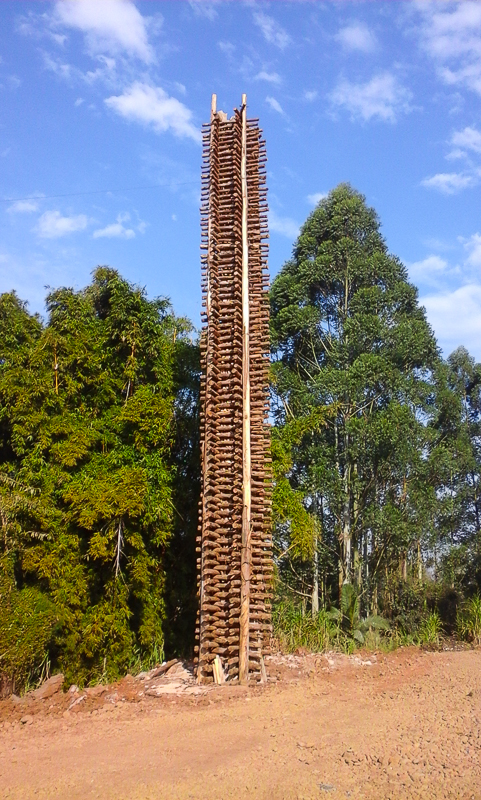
458	428
87	422
349	335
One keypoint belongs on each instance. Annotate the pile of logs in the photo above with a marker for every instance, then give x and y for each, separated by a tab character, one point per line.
234	542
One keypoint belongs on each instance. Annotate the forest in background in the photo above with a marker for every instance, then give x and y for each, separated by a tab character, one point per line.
376	447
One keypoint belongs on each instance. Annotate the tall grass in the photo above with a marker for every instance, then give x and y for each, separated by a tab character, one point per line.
430	630
469	620
294	629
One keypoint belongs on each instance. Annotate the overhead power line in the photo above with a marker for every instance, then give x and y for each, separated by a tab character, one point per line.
95	191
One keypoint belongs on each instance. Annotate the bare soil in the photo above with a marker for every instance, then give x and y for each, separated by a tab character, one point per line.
402	725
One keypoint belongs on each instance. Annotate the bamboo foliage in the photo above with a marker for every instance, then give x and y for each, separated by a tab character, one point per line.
234	542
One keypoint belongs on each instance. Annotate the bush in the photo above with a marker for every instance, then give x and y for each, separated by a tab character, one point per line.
469	620
405	605
27	620
294	629
431	629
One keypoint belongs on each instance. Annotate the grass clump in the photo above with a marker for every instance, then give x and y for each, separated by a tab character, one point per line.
469	620
294	629
430	631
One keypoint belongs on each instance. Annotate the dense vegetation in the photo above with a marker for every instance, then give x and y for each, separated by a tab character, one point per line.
376	450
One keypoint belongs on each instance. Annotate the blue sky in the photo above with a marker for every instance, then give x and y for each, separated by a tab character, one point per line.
102	103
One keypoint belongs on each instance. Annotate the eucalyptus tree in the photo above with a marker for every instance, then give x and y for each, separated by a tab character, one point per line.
458	454
349	336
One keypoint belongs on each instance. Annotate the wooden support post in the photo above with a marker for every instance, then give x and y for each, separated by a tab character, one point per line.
246	546
234	543
208	367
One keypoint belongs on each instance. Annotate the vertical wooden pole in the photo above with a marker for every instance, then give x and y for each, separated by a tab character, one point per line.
208	363
246	545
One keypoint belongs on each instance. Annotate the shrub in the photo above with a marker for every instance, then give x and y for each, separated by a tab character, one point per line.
431	629
27	620
469	620
294	629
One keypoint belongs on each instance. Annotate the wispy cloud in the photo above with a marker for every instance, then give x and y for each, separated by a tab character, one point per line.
451	327
451	35
429	270
116	230
468	139
151	106
23	207
226	47
310	95
473	246
314	199
450	182
383	97
271	30
464	144
274	105
283	225
59	67
270	77
52	225
357	36
114	26
205	8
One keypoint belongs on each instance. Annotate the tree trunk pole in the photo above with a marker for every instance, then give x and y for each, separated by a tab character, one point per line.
315	565
246	555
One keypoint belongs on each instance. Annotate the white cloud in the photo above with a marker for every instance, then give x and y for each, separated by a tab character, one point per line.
274	105
116	230
452	327
473	245
450	182
310	96
357	36
316	198
465	144
271	30
451	35
151	106
428	265
226	47
56	66
13	81
23	207
283	225
428	271
382	97
52	225
204	8
270	77
114	26
468	139
79	102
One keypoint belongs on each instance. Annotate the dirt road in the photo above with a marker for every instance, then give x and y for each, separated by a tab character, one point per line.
405	725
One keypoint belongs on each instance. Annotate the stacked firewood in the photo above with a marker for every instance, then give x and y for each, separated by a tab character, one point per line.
233	160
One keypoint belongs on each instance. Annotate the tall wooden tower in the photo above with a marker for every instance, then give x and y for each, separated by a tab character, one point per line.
234	542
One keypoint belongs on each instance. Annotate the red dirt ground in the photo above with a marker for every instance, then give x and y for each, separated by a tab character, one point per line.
380	727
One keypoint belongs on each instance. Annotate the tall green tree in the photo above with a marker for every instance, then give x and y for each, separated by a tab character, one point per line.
458	452
348	335
86	427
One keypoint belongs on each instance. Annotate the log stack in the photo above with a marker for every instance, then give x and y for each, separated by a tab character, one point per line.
234	542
